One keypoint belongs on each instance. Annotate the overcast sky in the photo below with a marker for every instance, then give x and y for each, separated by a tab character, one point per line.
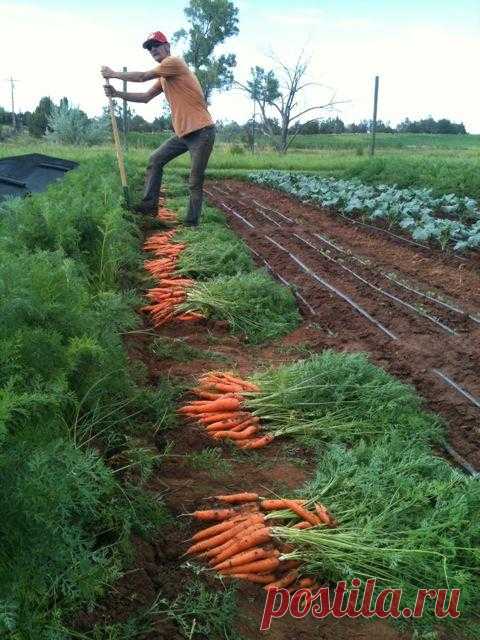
426	52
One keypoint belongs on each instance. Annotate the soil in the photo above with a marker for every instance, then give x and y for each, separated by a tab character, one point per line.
158	569
422	346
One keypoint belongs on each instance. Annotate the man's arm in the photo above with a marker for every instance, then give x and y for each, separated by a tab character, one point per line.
130	76
134	97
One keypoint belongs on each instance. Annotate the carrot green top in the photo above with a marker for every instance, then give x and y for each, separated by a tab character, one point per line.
185	96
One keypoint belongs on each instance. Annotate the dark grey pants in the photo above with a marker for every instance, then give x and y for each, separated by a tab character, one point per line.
199	144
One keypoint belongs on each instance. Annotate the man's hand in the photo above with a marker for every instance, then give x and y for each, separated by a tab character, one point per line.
110	92
108	73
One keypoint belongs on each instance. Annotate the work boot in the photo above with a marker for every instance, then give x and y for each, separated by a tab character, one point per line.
145	208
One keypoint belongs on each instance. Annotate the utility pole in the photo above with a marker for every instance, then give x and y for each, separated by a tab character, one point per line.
374	121
125	115
12	89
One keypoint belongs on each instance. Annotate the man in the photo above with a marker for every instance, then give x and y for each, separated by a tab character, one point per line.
193	125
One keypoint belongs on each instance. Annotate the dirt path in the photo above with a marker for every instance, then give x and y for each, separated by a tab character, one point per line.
368	291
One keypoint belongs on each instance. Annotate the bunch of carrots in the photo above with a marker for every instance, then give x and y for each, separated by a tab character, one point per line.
165	215
219	410
241	545
172	290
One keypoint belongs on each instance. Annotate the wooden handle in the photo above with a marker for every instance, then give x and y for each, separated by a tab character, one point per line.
116	139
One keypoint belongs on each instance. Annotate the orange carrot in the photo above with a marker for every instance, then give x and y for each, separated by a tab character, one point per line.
217	528
258	536
216	417
236	498
272	505
297	508
324	515
260	566
302	525
219	539
205	394
248	528
257	443
213	514
283	582
245	434
258	553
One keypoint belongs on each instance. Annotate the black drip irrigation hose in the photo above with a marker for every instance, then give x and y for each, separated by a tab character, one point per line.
381	291
461	461
457	387
448	448
286	218
334	290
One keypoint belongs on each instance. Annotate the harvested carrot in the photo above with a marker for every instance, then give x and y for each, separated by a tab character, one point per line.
302	512
236	498
257	443
216	417
272	505
247	529
259	536
205	394
303	525
324	515
245	434
258	553
259	566
219	539
213	514
216	528
283	582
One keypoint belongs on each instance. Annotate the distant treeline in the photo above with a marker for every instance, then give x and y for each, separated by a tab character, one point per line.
36	123
337	125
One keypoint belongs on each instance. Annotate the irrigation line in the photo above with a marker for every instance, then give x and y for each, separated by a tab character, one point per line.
388	233
432	299
401	284
334	290
286	218
457	387
461	461
381	291
271	219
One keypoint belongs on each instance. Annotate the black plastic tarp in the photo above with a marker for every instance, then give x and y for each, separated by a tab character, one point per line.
30	173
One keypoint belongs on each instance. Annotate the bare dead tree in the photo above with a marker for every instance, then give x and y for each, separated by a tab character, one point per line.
282	97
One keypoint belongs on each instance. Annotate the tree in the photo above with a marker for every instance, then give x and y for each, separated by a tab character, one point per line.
282	97
211	23
37	125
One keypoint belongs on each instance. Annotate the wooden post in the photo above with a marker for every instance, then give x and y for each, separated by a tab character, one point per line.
253	125
125	115
374	121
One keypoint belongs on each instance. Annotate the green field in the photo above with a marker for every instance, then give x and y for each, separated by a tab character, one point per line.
446	163
83	430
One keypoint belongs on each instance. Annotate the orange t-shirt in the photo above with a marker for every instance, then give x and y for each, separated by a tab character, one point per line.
185	96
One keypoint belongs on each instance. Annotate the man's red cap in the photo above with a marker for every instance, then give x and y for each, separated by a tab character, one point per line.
156	36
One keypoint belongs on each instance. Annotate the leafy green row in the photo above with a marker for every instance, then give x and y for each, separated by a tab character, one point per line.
66	390
443	220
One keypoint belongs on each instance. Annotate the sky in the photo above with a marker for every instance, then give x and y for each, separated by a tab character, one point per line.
425	52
